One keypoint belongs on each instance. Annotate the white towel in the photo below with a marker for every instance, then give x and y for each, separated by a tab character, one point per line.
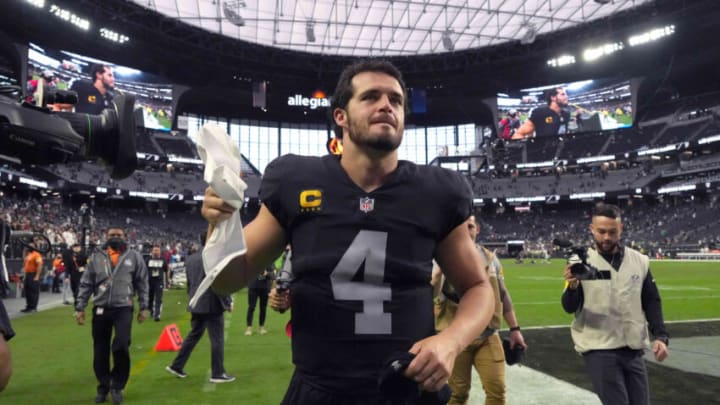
222	173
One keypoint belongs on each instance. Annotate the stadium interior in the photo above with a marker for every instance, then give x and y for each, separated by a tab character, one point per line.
215	63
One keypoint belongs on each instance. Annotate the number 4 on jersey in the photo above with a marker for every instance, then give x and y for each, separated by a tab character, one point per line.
368	247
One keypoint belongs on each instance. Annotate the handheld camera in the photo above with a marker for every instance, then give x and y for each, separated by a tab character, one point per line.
577	256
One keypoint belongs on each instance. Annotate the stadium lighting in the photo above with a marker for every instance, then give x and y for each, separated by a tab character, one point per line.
652	35
70	17
562	60
310	31
587	196
113	36
709	139
595	53
539	198
684	187
234	16
530	34
447	42
36	3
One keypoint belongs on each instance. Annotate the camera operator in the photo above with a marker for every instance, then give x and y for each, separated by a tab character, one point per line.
95	96
611	309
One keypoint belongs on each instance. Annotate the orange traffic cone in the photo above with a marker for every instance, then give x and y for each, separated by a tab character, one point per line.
170	339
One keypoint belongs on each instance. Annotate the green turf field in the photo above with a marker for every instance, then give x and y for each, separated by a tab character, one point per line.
52	355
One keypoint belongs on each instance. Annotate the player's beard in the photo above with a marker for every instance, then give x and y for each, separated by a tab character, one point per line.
382	142
606	248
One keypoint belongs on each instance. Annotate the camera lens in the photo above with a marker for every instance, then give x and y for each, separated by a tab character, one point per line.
579	270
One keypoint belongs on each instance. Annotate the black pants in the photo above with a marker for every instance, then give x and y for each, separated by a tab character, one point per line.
103	324
619	376
155	294
56	282
32	291
253	295
303	391
75	285
215	325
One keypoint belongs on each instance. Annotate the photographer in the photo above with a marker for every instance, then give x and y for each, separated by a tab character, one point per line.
613	294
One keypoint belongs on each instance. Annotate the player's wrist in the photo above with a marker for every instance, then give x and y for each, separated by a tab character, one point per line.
515	328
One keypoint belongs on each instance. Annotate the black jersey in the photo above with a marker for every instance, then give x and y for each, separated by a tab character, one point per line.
361	261
549	123
156	267
90	100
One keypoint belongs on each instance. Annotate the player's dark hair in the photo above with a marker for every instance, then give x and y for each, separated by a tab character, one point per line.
344	89
606	210
95	69
550	93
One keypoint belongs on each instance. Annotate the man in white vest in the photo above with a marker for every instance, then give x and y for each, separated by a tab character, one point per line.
613	310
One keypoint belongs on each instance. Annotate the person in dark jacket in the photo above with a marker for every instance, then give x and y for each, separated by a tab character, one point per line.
113	275
75	261
207	314
259	290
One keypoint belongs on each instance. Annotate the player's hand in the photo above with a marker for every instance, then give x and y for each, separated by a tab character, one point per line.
660	350
517	339
433	362
279	301
143	315
80	317
214	209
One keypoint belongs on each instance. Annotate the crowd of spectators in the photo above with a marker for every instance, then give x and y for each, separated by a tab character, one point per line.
654	226
64	222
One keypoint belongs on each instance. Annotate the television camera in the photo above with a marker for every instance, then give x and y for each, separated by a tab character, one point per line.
35	134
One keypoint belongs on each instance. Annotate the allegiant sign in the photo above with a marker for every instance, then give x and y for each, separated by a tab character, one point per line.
318	99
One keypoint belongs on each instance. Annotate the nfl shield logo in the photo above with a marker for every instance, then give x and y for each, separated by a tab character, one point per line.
367	204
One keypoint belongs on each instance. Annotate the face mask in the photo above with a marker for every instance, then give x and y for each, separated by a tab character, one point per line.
116	244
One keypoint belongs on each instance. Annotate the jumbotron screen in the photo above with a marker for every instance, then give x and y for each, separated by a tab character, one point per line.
592	105
153	93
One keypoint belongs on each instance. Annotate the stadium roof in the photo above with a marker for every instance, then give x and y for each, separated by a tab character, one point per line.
385	27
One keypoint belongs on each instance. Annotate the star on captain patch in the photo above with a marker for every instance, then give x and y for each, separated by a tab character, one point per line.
367	204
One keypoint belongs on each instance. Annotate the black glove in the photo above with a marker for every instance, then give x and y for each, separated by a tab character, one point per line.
512	356
401	390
